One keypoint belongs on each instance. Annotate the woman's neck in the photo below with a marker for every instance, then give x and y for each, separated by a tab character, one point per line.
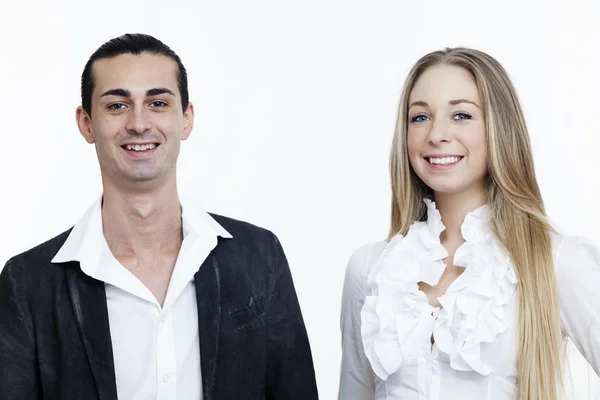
453	208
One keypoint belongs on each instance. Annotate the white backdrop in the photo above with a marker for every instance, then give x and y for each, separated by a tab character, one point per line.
295	106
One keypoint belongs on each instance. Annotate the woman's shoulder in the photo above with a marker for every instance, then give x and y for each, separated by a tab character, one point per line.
361	262
573	252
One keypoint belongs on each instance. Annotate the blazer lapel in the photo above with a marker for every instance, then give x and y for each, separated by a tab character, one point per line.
88	297
208	295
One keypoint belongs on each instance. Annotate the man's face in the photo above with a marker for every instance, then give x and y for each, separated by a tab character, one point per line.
137	122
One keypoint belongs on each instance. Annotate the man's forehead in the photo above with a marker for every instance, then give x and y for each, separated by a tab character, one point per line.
129	71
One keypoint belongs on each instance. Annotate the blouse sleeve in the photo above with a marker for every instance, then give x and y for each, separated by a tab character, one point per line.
578	281
357	377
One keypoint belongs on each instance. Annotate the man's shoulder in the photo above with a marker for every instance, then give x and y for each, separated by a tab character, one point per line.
241	229
247	238
42	253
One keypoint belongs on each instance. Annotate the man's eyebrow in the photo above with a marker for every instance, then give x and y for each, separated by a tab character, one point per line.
117	92
158	91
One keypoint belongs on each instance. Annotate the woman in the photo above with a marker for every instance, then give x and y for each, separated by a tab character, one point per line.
471	295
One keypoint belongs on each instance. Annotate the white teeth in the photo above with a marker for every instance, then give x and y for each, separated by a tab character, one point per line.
444	160
140	147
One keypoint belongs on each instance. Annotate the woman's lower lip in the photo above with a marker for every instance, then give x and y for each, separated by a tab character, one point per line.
442	167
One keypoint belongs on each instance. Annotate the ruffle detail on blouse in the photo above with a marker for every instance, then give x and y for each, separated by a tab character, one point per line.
474	304
397	320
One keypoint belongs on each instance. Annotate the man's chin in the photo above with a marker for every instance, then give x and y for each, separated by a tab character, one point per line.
136	178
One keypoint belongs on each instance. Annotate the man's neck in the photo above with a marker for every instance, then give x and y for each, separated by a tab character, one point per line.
142	222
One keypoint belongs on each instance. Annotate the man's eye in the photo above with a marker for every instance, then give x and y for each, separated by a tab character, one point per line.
419	118
158	103
117	106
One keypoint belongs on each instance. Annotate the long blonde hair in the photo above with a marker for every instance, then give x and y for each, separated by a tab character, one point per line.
518	217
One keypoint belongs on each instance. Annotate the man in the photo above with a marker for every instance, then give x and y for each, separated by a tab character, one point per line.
147	297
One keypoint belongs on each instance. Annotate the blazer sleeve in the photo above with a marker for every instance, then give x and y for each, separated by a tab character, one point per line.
578	281
290	369
356	377
19	375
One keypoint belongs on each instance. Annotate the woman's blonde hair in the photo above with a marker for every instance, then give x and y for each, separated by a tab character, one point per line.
517	210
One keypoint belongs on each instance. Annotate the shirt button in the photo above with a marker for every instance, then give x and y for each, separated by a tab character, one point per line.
166	378
163	319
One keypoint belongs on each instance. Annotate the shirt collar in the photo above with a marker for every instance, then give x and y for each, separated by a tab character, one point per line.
86	241
197	220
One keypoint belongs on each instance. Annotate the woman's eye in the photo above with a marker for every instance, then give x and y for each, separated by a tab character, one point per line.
419	118
461	116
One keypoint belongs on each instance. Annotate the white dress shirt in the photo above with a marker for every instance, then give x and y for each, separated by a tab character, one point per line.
156	350
387	322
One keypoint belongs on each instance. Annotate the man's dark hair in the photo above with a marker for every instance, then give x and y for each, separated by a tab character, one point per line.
131	43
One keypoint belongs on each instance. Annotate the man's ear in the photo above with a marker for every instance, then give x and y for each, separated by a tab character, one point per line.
188	124
84	122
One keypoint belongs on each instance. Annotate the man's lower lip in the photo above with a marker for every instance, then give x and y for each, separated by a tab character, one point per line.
135	153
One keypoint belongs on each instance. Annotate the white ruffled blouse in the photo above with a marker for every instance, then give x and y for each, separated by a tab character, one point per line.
387	322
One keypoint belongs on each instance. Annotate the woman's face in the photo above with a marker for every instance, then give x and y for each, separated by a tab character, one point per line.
446	131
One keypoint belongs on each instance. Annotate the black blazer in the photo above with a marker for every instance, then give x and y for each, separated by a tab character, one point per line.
55	340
